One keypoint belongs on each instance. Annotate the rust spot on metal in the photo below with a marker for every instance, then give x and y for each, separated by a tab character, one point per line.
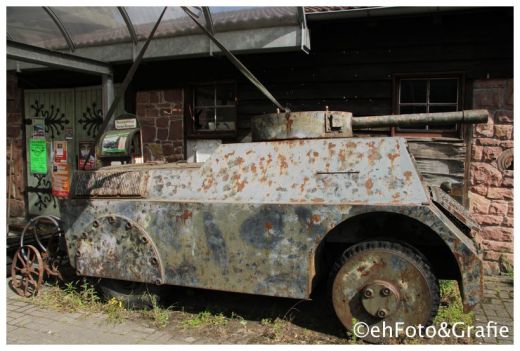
239	184
331	147
268	226
393	156
369	184
318	199
228	155
184	216
305	180
208	182
316	218
282	161
288	123
253	168
408	176
239	161
249	152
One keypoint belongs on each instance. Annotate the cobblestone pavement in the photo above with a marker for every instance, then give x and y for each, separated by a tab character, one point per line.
497	306
30	324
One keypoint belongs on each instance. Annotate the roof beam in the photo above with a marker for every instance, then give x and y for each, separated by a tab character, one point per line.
61	27
28	53
129	24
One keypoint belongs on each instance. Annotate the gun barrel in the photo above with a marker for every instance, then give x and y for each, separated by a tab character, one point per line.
421	119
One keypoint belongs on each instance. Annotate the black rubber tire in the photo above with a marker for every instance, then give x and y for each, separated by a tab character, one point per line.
134	295
420	261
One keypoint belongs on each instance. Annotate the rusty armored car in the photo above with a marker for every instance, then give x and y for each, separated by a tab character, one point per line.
306	201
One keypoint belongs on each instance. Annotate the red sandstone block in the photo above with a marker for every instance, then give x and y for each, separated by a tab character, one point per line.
500	193
504	131
142	97
508	222
480	189
490	153
484	130
476	152
149	134
505	144
508	182
488	219
498	208
501	246
147	121
176	130
151	112
162	134
484	173
479	204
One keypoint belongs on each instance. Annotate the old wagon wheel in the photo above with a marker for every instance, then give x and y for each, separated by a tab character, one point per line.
27	271
47	227
381	281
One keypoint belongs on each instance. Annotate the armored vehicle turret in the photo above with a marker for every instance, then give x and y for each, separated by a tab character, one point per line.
305	202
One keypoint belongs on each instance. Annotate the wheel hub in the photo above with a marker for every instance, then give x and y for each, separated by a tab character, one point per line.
380	298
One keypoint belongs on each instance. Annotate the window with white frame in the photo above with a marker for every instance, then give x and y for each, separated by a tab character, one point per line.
426	95
214	108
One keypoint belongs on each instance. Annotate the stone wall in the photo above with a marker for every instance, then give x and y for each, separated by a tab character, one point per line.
15	167
491	192
160	113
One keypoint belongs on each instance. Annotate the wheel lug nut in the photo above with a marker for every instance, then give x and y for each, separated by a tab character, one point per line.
368	293
381	313
385	291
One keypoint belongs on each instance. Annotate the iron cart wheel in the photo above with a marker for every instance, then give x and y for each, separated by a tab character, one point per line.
378	281
134	295
27	271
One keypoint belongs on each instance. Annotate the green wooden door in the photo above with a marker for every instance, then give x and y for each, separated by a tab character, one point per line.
56	108
71	115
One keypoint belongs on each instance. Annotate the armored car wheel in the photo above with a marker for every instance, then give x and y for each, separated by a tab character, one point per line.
134	295
383	283
27	271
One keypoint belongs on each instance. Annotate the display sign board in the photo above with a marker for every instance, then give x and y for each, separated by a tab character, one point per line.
129	123
38	156
87	155
60	152
61	179
114	141
38	130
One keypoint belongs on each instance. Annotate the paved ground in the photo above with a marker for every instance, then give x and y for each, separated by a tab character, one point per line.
30	324
497	306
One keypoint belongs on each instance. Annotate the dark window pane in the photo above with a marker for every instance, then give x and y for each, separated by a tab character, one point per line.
412	109
413	90
225	95
205	96
204	119
442	109
226	118
443	90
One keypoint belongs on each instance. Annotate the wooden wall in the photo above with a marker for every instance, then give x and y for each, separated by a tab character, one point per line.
351	67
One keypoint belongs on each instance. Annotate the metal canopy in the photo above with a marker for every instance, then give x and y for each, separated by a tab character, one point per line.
114	34
29	53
